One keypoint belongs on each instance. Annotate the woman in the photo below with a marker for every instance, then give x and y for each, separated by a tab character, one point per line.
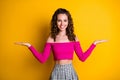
63	42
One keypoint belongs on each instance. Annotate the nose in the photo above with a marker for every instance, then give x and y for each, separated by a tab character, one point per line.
62	22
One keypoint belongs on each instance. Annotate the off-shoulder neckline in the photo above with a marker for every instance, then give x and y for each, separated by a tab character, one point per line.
62	42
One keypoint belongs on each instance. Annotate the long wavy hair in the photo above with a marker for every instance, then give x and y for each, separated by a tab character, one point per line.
69	29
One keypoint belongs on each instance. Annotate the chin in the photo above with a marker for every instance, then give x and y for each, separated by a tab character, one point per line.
62	29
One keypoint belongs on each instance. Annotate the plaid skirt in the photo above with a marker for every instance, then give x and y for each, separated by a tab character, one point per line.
63	72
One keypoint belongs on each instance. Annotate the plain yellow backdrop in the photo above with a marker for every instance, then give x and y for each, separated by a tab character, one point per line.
29	21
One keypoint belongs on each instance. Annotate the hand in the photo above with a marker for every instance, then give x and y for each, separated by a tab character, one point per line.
99	41
23	44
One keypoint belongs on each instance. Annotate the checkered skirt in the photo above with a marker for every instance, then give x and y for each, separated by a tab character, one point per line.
63	72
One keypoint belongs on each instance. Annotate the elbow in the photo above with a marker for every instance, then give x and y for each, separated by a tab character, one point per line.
42	61
82	59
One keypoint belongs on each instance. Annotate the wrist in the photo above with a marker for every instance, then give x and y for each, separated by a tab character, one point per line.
95	43
28	45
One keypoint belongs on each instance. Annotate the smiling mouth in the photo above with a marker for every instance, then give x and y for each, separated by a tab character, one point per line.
62	26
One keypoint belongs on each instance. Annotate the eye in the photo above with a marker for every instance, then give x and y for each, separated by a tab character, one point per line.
65	20
58	20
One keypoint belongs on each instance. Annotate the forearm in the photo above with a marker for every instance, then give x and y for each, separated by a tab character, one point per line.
86	54
42	57
83	55
37	55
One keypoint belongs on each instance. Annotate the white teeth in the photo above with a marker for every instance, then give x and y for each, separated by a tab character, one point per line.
62	26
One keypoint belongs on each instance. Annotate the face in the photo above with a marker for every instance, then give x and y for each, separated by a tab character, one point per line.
62	22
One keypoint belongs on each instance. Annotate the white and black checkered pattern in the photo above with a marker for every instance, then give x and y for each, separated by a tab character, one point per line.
63	72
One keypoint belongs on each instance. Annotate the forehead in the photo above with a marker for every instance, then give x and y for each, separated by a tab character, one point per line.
62	16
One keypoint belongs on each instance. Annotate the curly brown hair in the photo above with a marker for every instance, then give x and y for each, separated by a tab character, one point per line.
69	29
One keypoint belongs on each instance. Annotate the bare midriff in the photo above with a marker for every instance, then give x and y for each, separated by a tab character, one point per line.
62	62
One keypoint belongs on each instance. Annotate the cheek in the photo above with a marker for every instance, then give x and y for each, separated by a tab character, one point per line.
58	23
66	23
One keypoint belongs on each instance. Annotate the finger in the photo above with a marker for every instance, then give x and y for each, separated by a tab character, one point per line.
18	43
104	40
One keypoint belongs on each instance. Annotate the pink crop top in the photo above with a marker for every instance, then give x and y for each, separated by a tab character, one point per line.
62	51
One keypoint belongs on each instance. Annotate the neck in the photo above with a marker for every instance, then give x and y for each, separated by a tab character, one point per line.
62	33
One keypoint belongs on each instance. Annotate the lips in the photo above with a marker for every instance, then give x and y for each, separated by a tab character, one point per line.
62	27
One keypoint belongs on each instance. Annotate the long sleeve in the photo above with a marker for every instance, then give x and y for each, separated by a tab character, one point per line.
83	55
42	57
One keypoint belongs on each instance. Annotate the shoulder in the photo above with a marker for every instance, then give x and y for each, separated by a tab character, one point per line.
50	39
76	38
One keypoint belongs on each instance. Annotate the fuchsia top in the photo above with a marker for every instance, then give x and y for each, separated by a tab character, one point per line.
62	51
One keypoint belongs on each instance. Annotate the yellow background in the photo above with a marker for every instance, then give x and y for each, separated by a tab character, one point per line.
29	21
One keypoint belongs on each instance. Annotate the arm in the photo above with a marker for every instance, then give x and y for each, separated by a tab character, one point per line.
42	57
83	55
